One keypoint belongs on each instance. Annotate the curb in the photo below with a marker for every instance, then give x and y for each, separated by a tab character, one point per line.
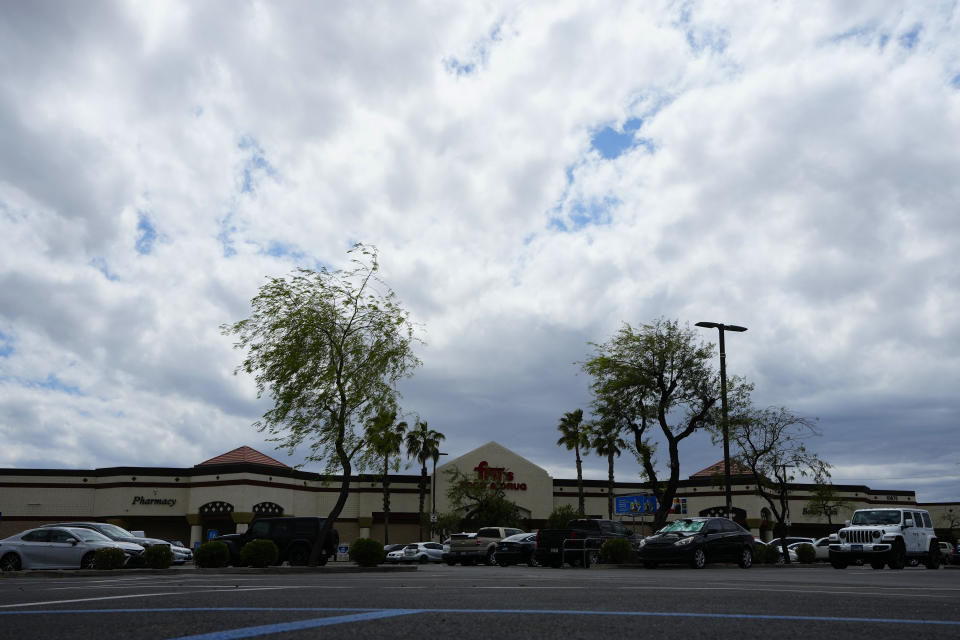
174	571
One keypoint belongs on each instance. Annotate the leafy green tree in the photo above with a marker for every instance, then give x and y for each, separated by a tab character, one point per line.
480	503
574	438
423	444
770	444
329	348
562	515
658	379
385	436
606	439
825	500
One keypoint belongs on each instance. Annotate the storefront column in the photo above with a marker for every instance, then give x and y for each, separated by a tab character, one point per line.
196	528
365	522
242	519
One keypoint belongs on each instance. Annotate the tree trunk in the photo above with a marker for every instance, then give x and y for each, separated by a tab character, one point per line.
423	494
331	518
386	501
583	510
610	486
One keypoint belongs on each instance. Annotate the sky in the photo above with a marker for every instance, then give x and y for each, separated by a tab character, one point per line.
533	174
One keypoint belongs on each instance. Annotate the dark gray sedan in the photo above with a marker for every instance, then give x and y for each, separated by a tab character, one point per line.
697	541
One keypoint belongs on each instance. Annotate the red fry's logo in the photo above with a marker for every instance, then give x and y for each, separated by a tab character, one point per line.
499	477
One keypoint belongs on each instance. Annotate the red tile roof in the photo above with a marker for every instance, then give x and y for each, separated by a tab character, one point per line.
243	454
717	469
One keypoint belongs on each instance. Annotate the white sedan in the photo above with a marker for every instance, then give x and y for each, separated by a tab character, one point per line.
58	548
423	552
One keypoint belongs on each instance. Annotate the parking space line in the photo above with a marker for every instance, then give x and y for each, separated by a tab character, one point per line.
359	615
298	625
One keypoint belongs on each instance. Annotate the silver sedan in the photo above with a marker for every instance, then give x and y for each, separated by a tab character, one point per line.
58	548
423	552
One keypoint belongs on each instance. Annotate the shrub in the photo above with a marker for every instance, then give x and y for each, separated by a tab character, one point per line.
212	554
109	558
616	551
806	554
560	516
158	556
260	553
771	554
366	552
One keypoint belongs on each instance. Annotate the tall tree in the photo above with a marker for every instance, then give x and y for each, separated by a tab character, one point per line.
574	438
659	378
770	443
385	436
329	348
606	439
480	503
423	444
825	500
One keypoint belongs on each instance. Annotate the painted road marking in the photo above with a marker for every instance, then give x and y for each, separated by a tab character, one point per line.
382	613
298	625
134	595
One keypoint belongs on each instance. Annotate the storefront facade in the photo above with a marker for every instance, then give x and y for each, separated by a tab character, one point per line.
224	494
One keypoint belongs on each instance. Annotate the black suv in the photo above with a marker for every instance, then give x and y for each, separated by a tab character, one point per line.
294	538
696	541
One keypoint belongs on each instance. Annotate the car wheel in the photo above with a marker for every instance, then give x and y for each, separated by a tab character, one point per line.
699	559
10	562
838	564
593	558
423	560
532	562
933	557
746	558
898	557
877	565
87	561
489	560
299	555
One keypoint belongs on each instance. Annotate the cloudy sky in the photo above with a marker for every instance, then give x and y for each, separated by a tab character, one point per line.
534	174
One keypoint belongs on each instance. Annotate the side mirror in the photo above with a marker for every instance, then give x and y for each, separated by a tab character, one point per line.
907	523
74	541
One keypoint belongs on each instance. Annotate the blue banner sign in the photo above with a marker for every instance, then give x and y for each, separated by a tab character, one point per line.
626	505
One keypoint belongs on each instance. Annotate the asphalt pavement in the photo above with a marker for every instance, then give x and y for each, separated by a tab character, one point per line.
486	602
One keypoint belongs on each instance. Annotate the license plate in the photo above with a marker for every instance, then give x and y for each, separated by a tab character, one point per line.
554	550
856	547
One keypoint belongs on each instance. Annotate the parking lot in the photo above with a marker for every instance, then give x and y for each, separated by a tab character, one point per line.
485	602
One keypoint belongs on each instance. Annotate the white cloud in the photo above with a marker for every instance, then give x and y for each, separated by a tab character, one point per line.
798	178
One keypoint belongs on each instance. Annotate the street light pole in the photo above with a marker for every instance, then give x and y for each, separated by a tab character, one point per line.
728	491
433	495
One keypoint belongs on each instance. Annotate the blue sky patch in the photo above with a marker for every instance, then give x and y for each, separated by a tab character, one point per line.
956	81
284	250
100	264
6	345
478	56
146	234
225	237
53	383
255	166
611	143
909	39
582	214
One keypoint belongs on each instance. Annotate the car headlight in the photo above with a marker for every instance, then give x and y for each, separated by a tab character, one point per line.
843	535
642	543
683	541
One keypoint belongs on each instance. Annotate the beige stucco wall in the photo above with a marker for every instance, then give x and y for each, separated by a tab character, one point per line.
531	487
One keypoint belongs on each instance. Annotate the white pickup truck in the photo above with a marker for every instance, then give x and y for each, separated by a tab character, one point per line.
471	548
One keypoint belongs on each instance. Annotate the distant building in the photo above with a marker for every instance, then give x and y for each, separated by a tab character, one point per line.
225	493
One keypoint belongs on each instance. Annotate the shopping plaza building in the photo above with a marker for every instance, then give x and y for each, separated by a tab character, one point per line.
224	494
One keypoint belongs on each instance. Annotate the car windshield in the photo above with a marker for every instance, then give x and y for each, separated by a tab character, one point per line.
520	537
114	531
876	517
89	535
683	526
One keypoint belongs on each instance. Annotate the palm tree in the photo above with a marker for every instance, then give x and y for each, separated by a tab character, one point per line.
385	436
423	443
575	438
605	440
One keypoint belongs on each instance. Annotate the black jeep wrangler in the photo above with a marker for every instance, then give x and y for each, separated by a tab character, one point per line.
294	538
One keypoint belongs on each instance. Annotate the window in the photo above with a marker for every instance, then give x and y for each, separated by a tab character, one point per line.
927	522
488	533
40	535
59	535
260	529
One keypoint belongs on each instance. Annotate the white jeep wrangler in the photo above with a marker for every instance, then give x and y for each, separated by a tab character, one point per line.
886	537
